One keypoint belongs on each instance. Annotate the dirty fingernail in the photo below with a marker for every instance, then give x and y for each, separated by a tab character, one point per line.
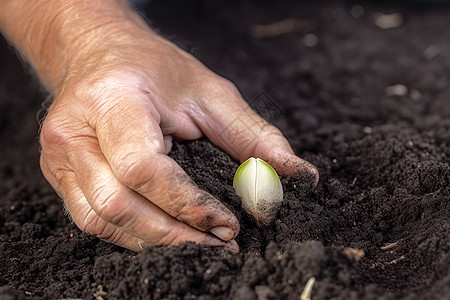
314	173
223	233
305	169
233	246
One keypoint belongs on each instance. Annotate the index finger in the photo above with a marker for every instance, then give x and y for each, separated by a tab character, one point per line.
233	125
135	153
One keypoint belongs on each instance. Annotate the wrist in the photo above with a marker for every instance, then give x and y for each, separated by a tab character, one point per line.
57	36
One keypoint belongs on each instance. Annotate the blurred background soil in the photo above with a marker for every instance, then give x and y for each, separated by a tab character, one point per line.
360	89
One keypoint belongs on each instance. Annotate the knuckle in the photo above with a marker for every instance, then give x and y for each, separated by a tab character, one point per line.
133	170
270	132
95	225
91	223
221	86
108	83
166	239
109	205
171	239
196	209
61	128
52	133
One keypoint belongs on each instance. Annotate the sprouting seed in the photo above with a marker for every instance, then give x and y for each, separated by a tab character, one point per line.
260	188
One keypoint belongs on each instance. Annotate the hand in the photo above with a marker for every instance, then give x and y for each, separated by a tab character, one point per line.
105	139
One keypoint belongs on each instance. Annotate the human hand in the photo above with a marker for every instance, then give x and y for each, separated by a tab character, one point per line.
104	151
120	95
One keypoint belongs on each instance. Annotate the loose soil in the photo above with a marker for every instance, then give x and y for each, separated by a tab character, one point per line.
376	226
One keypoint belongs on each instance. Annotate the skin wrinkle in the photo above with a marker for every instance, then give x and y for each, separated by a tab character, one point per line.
127	175
104	231
115	237
59	175
53	22
200	118
169	239
74	152
63	17
103	197
180	188
52	68
111	201
60	131
101	89
166	240
85	37
90	223
191	112
105	83
124	225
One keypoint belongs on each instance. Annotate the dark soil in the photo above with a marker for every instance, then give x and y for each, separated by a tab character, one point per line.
383	159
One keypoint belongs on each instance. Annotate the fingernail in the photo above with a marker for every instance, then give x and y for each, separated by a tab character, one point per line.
223	233
303	168
233	246
314	173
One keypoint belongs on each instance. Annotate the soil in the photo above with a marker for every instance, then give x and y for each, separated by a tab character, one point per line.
368	106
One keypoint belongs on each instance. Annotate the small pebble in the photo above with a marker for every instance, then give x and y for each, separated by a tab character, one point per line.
388	21
431	52
415	95
353	253
367	129
396	90
264	292
310	40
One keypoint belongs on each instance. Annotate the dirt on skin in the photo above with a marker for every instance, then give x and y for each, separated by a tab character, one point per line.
368	106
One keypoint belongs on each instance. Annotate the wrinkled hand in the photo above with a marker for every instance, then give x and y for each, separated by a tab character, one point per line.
105	139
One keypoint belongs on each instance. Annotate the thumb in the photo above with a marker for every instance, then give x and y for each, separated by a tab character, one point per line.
232	124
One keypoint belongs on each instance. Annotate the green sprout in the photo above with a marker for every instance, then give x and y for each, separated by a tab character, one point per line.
260	189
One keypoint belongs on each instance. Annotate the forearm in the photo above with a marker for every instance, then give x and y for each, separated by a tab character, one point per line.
54	35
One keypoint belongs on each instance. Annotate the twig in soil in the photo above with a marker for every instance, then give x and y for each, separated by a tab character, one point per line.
391	245
396	260
278	28
352	253
431	52
100	293
306	294
400	90
388	21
